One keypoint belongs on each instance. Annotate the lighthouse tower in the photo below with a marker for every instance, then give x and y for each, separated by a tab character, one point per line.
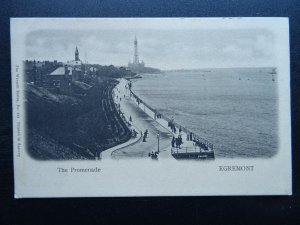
136	65
136	54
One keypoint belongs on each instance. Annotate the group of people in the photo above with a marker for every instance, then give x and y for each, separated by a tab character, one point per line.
157	115
177	142
172	126
202	145
153	155
196	141
134	133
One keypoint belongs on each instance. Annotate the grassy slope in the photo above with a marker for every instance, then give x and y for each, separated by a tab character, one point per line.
64	127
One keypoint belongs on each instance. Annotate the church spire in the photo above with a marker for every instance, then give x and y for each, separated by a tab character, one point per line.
76	54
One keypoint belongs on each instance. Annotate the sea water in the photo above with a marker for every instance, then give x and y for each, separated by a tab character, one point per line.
235	109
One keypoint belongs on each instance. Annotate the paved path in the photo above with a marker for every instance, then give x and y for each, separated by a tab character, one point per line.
141	118
107	154
140	121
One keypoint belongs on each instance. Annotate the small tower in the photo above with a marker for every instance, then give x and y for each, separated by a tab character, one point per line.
136	55
76	54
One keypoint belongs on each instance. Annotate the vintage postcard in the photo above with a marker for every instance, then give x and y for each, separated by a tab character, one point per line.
151	106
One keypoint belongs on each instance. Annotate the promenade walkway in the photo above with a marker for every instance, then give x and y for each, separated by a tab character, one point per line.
140	118
141	122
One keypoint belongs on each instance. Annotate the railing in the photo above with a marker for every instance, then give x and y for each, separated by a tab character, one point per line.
195	137
195	149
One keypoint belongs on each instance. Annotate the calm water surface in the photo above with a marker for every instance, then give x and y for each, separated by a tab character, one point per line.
235	109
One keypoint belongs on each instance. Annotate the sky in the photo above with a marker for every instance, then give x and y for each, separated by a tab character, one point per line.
160	48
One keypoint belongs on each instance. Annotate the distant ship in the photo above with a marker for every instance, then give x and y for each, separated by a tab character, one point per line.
273	72
137	76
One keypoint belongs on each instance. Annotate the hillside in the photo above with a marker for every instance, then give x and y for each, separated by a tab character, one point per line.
71	126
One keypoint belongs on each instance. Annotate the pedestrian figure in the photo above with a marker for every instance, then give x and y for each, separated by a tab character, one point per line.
130	119
145	135
179	140
134	133
173	142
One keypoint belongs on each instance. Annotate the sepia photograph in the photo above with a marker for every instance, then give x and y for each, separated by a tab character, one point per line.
195	92
184	94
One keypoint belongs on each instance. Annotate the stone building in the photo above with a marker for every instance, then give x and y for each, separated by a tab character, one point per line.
62	77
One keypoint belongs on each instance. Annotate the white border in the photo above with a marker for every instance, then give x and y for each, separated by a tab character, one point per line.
143	177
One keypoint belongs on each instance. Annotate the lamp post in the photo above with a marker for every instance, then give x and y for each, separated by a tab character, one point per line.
157	142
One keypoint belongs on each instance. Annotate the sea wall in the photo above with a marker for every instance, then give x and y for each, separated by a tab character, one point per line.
165	121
